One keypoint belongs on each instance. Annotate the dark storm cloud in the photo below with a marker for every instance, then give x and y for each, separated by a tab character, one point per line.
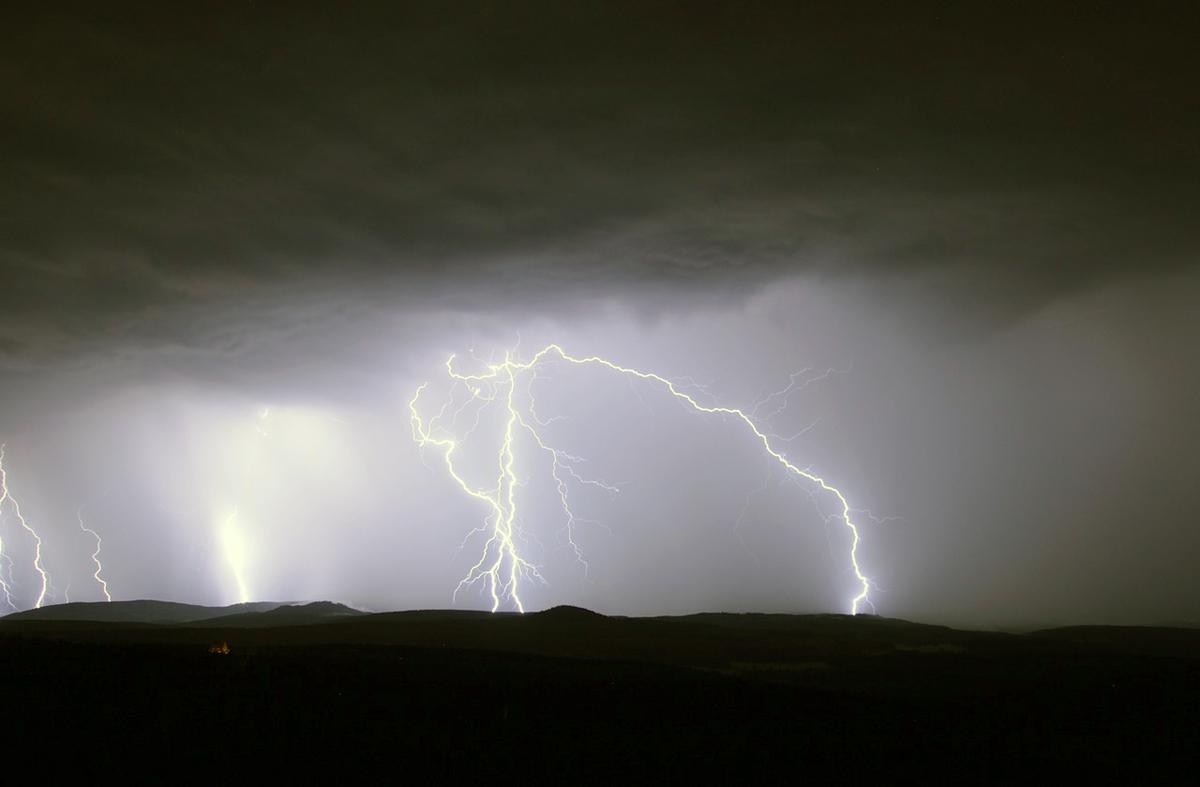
165	161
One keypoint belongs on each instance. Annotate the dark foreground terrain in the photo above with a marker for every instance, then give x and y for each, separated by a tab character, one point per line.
568	696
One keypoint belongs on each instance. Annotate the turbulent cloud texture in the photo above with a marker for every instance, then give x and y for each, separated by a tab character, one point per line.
163	159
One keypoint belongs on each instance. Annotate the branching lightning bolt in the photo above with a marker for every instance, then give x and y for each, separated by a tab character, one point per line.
6	585
501	565
95	555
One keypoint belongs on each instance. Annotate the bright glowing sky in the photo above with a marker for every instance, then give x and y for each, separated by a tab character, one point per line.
988	221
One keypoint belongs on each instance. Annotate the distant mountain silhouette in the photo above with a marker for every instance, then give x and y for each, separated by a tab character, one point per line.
566	612
284	615
140	611
711	640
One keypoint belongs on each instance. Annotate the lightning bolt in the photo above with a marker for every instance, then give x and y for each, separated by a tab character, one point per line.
6	578
95	555
501	565
5	585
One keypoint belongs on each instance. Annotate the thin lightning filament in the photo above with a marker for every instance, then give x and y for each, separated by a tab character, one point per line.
95	555
6	497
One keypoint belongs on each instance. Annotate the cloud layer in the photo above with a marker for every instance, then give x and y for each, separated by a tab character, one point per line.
231	159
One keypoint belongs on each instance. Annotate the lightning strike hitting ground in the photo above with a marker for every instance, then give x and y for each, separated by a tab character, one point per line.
501	565
6	585
95	555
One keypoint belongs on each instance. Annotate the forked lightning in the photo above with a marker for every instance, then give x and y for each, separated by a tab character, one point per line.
501	566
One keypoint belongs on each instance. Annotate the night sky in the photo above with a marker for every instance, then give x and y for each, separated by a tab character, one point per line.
983	220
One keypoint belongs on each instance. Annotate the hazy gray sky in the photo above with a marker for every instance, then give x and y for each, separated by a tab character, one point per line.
986	219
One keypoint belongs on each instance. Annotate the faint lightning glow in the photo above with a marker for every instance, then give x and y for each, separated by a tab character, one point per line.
234	546
261	425
501	565
231	535
95	555
6	585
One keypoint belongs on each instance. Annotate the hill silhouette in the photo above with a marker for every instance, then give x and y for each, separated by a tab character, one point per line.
139	611
569	695
284	615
